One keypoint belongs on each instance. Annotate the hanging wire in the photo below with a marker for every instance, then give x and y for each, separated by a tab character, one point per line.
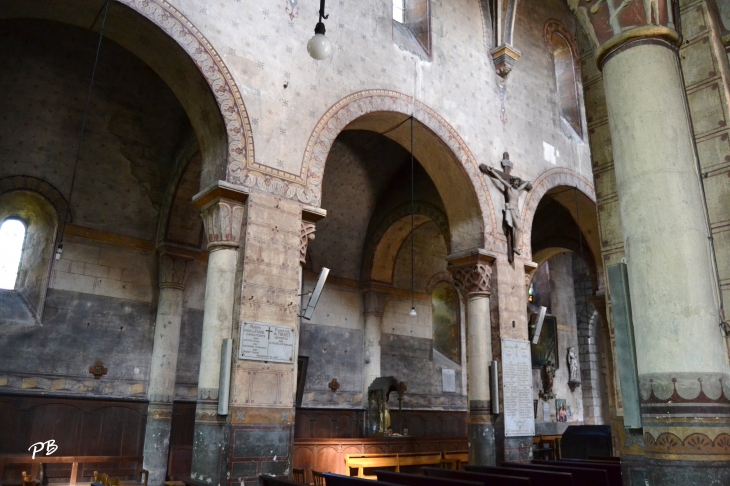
86	113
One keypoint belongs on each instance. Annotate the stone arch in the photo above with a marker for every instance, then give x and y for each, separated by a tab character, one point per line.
375	109
559	176
38	186
225	136
426	212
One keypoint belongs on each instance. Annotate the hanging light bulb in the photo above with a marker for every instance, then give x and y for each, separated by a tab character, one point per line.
413	312
319	46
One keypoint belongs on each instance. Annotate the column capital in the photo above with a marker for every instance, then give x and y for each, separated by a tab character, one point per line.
472	271
373	296
613	24
175	263
222	210
310	216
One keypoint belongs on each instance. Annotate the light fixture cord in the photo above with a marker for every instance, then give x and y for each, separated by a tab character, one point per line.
413	223
86	112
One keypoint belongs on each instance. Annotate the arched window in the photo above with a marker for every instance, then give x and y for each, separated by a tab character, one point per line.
12	236
566	78
446	321
399	8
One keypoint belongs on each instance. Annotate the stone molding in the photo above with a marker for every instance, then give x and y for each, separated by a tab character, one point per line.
159	411
240	156
612	23
504	57
559	176
361	103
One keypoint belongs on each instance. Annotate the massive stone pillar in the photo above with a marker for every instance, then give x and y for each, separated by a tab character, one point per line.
681	357
223	212
174	268
374	304
472	275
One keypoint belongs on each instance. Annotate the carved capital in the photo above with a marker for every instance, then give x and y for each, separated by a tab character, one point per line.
474	278
306	234
310	216
504	58
374	302
223	219
174	270
611	24
472	271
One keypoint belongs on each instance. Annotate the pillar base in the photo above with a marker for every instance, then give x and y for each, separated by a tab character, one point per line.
687	473
481	445
210	445
157	441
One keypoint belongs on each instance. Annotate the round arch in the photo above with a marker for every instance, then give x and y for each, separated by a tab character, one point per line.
163	38
440	150
550	179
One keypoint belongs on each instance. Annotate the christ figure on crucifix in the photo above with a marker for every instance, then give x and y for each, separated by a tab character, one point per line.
512	188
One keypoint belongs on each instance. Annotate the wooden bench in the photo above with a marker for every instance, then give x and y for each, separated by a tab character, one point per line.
613	469
339	480
486	479
87	463
272	481
538	477
395	460
581	475
454	459
419	480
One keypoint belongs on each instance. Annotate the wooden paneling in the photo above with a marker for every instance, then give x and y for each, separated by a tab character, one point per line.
328	455
79	427
347	424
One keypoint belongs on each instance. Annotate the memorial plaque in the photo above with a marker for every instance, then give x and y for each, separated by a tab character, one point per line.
264	342
519	412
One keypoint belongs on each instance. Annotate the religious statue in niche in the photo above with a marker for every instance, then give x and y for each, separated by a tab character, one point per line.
512	188
548	380
378	418
574	379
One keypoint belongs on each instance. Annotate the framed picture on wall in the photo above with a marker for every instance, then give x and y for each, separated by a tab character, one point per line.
561	410
546	348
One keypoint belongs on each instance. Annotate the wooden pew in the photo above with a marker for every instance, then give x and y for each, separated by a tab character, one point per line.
87	463
419	480
538	477
338	480
272	481
488	479
604	458
613	469
361	462
581	475
454	459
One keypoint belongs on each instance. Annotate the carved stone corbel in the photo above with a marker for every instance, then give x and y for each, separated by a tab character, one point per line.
310	216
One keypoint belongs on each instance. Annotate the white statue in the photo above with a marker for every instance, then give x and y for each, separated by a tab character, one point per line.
573	367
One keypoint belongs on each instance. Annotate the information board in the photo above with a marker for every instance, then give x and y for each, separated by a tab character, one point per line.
264	342
519	412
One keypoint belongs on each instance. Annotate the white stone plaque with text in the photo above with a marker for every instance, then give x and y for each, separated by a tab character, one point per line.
264	342
519	412
448	380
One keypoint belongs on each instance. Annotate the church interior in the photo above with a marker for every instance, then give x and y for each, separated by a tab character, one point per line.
398	241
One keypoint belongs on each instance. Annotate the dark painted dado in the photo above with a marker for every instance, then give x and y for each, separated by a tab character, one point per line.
347	424
259	449
638	471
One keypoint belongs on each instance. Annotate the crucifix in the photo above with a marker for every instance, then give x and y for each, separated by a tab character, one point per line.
512	188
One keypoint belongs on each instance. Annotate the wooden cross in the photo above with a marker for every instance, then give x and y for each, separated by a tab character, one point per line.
98	370
334	386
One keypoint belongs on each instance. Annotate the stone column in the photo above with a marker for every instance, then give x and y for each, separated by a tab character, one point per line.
174	268
682	360
472	275
222	210
374	304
